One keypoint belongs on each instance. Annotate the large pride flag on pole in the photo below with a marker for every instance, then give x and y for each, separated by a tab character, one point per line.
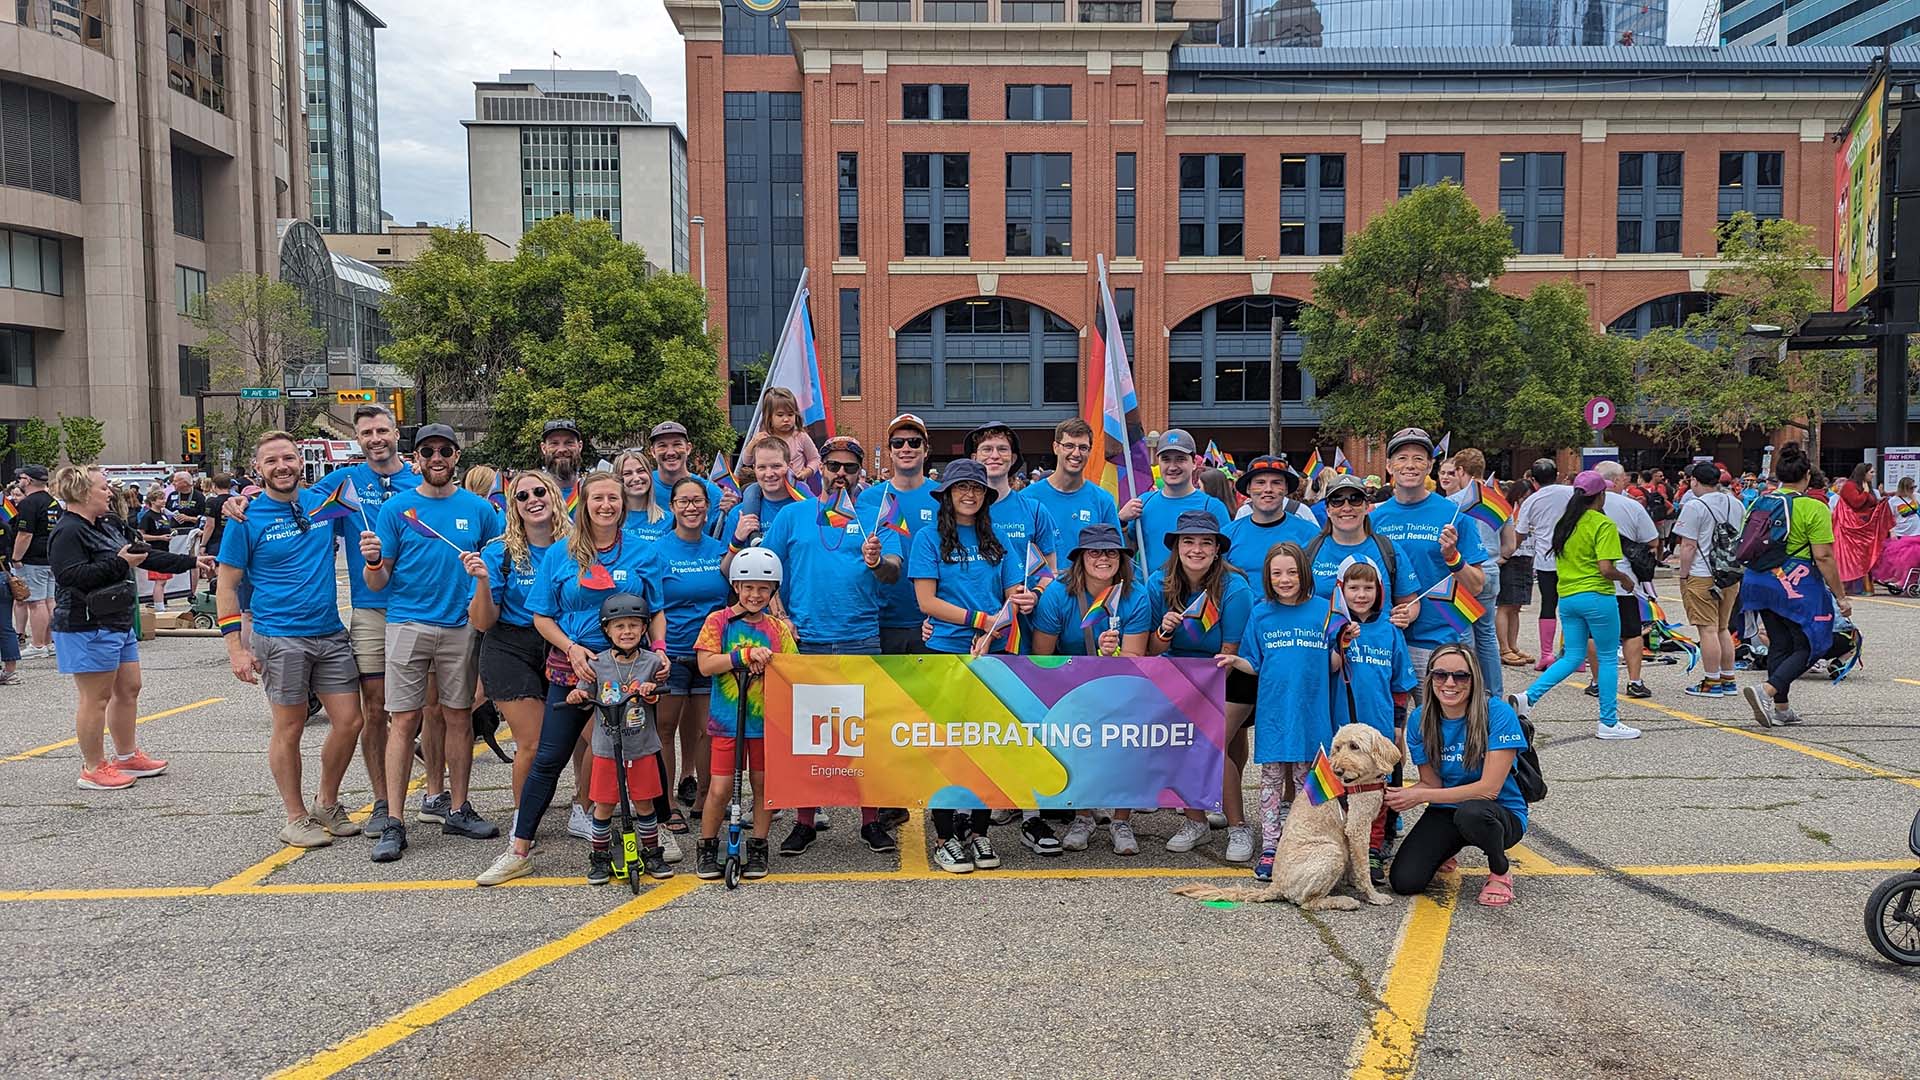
796	367
1111	407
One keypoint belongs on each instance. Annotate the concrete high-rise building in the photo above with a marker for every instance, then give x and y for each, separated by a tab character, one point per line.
544	143
147	151
1338	24
343	116
1820	22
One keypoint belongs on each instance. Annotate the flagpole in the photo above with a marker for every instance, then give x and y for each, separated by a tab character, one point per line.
793	309
1126	444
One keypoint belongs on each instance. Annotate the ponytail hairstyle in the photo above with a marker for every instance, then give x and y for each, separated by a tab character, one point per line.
1577	505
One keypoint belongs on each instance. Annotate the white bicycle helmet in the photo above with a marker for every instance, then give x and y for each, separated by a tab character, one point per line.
755	564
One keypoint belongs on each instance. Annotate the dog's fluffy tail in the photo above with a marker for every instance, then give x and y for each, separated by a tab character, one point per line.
1267	895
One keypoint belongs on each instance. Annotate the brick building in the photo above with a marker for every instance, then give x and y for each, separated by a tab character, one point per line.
950	183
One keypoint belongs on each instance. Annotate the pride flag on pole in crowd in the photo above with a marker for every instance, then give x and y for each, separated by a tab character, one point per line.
1008	619
1440	449
834	512
796	367
1103	603
1490	508
1037	569
411	519
1202	610
1212	456
1456	605
1313	467
1112	409
8	512
892	517
343	501
1323	784
722	476
497	494
1341	466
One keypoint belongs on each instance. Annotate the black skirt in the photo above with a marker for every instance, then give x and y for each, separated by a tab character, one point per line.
513	663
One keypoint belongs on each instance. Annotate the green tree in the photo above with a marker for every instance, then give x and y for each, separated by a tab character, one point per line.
1407	330
1717	376
85	437
572	326
255	329
38	443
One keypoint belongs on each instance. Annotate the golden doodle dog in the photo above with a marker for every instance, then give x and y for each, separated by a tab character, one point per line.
1321	845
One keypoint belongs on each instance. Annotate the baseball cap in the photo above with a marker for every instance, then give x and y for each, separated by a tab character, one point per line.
664	429
38	473
1590	482
907	419
1411	436
1707	473
435	431
1178	440
844	444
552	426
1345	482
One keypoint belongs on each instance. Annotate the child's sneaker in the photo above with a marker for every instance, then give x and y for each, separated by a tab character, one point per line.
654	859
1124	842
599	867
984	857
670	848
1263	868
953	856
706	860
756	865
1038	837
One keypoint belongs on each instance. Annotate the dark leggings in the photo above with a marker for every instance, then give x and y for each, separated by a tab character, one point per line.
975	822
559	734
1443	831
1788	653
1549	597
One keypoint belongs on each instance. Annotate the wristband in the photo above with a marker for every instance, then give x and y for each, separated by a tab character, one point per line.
374	563
979	620
1163	635
735	547
229	624
739	657
660	647
1456	563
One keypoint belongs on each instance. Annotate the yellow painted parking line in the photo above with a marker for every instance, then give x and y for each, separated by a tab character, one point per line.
1879	600
155	892
1529	861
1769	868
349	1052
1392	1045
1909	682
1775	740
913	845
161	715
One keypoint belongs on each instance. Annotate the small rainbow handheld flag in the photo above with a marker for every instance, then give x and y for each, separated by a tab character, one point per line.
1204	610
1341	465
497	495
1037	569
1323	784
1313	467
1336	618
834	514
793	492
1491	509
342	501
893	516
1458	607
8	511
724	481
1006	619
1102	607
571	502
411	519
1212	456
595	577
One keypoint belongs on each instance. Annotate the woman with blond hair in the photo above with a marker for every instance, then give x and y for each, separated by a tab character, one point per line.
647	518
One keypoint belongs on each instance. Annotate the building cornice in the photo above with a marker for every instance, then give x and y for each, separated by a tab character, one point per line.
823	43
1810	115
697	20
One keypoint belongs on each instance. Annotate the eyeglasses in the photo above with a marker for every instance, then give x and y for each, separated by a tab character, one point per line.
535	492
1347	498
689	504
840	466
431	452
1459	675
1075	448
911	442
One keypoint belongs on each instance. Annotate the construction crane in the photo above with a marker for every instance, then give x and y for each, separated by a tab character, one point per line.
1707	34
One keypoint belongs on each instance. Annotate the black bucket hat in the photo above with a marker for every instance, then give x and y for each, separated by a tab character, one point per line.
1268	465
1099	536
1196	523
965	471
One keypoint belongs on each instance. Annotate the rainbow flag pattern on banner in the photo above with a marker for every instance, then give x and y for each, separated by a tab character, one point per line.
994	732
1323	784
1491	508
1457	606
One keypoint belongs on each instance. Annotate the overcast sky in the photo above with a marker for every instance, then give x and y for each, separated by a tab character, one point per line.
432	51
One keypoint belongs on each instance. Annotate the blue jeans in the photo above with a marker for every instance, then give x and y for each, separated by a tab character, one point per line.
858	647
9	641
1486	643
1584	617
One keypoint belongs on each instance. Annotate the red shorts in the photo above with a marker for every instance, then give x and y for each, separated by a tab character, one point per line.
643	781
721	760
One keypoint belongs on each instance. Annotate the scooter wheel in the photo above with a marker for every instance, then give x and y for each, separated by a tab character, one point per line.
1893	918
732	873
633	882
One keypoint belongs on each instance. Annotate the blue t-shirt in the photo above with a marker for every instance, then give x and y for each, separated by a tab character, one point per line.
512	583
1159	513
1378	666
685	581
374	491
1059	613
663	494
558	594
1251	540
1237	600
636	525
1326	567
1018	521
830	593
1503	733
898	606
1071	511
427	583
973	584
289	570
1288	648
768	509
1415	533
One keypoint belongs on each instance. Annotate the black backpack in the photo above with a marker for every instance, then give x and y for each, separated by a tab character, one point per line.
1526	768
1659	507
1721	550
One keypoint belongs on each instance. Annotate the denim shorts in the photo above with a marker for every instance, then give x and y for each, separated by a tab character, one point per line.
91	652
684	678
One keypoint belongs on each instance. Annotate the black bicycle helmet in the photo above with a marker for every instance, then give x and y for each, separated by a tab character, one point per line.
622	605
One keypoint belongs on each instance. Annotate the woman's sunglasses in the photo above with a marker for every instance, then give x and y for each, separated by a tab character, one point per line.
1458	675
1346	498
535	492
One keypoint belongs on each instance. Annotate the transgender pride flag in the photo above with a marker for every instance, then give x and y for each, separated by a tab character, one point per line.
796	367
1110	406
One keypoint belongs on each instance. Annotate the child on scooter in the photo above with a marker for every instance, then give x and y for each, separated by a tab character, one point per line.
735	643
625	690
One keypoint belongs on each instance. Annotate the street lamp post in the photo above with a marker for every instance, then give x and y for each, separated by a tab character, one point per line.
705	304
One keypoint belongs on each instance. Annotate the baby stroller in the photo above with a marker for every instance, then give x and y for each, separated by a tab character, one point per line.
1844	654
1893	911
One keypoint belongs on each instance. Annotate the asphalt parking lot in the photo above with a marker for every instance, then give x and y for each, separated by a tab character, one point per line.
1687	903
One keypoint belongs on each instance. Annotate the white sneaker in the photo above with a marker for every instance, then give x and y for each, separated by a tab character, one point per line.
505	868
669	847
1604	730
1078	833
953	856
1124	842
1192	834
1522	708
820	821
1239	843
1216	820
579	824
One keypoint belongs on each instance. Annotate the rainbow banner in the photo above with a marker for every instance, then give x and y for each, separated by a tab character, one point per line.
994	732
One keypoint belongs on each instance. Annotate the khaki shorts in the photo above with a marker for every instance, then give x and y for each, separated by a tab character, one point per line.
416	651
1702	608
367	630
293	667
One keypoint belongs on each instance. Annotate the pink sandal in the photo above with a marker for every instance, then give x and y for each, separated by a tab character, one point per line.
1449	866
1498	891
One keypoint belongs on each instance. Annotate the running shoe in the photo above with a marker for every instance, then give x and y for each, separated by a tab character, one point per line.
655	861
465	821
894	817
138	764
1239	843
1757	701
1593	690
670	848
984	857
378	821
599	866
1124	842
953	856
11	678
434	808
706	860
393	841
1704	688
1377	868
104	777
1263	869
336	820
1615	730
821	822
1078	833
878	838
1004	817
1638	689
1037	836
1787	716
799	840
1520	705
578	823
308	832
756	863
505	868
1191	835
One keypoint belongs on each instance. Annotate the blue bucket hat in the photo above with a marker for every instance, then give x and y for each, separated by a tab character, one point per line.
1196	523
1099	536
965	471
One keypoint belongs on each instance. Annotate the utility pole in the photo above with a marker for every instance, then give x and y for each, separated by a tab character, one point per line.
1276	426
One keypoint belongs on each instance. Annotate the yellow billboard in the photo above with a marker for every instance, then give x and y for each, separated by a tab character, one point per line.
1856	214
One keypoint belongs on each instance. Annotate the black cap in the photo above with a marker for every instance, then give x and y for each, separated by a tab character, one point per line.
965	471
1099	536
991	427
1706	472
1268	465
435	431
1196	523
552	426
36	473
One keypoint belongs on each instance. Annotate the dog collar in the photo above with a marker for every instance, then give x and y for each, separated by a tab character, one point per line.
1378	785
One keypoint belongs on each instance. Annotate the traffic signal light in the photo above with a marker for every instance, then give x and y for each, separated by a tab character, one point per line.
352	397
193	441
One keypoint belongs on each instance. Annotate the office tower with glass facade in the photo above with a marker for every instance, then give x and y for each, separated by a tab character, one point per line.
544	143
1444	23
343	116
1873	23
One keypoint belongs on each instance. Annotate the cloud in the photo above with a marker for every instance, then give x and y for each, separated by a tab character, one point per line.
433	51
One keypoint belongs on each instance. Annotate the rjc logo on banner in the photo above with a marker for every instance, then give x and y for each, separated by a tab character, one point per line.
829	720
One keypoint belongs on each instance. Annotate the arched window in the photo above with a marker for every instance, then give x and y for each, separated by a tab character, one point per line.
1222	357
987	350
1666	312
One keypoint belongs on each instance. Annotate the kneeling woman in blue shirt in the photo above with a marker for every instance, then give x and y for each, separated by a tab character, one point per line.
1464	745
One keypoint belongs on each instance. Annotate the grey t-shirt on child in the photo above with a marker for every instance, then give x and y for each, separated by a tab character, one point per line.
640	734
